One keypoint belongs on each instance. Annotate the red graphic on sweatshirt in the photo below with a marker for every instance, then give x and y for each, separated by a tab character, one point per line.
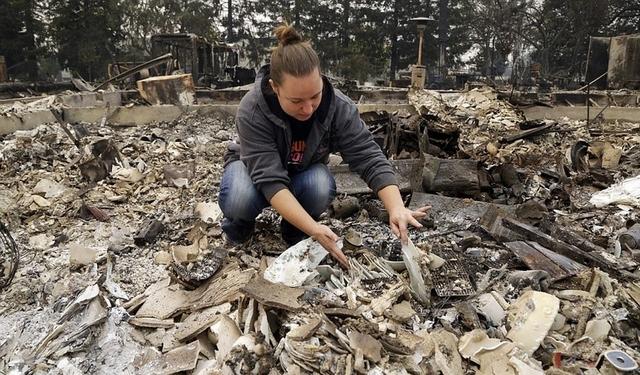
297	152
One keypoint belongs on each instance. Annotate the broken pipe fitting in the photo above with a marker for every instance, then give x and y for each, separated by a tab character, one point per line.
631	238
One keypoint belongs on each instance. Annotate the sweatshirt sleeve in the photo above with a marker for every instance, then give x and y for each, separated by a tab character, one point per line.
259	153
358	148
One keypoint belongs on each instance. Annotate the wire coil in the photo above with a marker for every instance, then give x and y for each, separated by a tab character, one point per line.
9	257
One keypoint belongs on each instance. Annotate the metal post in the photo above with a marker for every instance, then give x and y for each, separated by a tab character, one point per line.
420	47
586	74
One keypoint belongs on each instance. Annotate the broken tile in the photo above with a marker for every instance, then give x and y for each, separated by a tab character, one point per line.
224	333
531	318
369	346
597	330
274	295
446	357
151	322
163	303
82	255
177	360
209	212
402	312
471	343
199	321
305	331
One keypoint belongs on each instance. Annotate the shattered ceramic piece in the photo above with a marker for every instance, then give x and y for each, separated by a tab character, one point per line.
412	259
209	212
87	295
597	330
475	341
446	357
207	348
162	257
402	312
488	306
224	333
151	322
435	261
82	255
132	174
184	254
178	176
305	331
611	157
380	304
559	322
523	368
163	303
199	321
41	241
531	318
369	346
496	360
209	367
177	360
274	295
49	188
296	264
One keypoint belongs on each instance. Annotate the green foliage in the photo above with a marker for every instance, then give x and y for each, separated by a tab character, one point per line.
355	39
20	27
86	34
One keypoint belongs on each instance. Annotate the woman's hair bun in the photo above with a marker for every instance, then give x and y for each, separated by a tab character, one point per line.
287	35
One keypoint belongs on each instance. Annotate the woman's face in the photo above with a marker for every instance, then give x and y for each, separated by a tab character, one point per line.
299	97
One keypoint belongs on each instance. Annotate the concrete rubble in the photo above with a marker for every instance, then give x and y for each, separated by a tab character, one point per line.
527	263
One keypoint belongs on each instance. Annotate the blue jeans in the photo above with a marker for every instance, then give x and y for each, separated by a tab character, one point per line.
241	202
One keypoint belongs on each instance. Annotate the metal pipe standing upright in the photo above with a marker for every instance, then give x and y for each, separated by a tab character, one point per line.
420	47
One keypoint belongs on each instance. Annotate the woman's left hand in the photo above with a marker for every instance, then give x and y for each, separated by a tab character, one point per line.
399	218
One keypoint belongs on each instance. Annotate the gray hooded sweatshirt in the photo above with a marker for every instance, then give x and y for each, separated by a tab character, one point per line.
264	141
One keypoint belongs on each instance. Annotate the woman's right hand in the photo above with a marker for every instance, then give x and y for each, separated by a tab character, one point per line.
325	236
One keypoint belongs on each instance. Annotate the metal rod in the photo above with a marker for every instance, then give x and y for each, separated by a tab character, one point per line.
594	81
149	64
586	74
420	48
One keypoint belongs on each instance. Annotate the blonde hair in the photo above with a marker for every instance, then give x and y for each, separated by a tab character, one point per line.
292	55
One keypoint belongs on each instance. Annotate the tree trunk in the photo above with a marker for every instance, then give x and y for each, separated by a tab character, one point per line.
443	35
344	38
394	41
297	5
31	55
229	21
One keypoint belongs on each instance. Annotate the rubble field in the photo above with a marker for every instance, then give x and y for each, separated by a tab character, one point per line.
112	260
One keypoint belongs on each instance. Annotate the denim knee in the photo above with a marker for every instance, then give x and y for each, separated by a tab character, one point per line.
314	188
239	199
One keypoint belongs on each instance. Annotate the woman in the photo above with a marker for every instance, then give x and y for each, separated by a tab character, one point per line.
287	126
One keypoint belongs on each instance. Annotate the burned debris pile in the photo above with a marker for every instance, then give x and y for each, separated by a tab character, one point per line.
527	262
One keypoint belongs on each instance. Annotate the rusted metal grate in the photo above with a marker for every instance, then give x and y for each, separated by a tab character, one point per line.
452	280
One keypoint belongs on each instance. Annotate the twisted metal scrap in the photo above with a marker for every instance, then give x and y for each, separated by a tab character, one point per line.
9	257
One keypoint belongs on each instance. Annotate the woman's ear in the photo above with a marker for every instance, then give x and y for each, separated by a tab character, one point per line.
274	86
